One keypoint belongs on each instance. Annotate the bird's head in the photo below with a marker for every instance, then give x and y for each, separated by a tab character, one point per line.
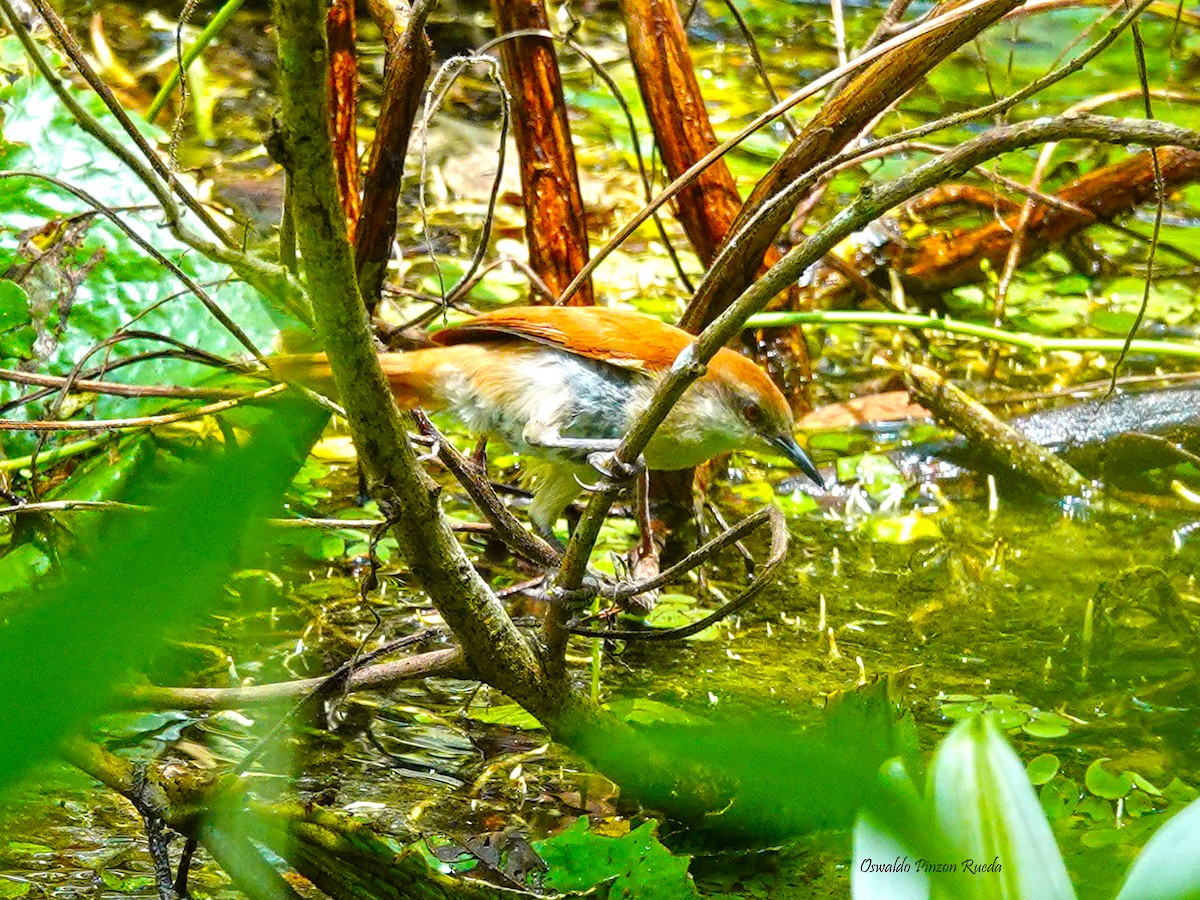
759	408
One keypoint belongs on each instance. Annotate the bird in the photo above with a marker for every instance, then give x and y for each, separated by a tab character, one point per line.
560	384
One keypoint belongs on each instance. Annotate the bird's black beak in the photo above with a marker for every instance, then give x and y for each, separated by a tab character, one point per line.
787	445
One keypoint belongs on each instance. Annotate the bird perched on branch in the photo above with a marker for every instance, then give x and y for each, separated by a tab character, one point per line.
559	384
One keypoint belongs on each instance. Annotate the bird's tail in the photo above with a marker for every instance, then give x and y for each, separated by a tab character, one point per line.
413	375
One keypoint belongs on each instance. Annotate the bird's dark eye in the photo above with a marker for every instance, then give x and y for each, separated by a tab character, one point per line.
752	411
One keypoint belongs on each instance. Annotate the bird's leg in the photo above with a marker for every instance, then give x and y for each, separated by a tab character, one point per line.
479	455
644	559
364	495
646	546
599	452
546	435
546	533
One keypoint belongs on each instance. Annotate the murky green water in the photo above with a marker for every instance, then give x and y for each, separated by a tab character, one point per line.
973	609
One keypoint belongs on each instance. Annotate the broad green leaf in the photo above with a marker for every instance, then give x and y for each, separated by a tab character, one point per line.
1107	784
66	646
637	863
984	803
1059	796
1042	768
1168	868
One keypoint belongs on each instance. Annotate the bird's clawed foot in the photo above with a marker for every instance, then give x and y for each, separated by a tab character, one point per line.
616	469
575	598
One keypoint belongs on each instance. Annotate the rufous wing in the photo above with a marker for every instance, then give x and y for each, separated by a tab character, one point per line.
615	336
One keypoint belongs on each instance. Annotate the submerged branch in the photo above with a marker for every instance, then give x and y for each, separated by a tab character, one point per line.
380	676
998	440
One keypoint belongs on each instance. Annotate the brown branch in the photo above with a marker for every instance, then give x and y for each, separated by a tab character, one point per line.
945	260
381	676
474	481
138	421
407	66
117	389
1002	443
408	498
666	75
555	228
838	122
343	93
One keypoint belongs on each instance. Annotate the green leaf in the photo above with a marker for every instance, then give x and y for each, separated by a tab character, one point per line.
638	865
960	711
155	572
106	475
1046	725
1059	797
1143	784
984	803
14	305
510	714
1102	782
767	778
13	887
1042	768
123	283
1168	868
1111	321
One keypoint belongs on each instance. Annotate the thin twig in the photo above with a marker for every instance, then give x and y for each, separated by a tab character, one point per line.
138	421
189	354
380	676
779	543
477	486
73	51
1159	206
117	389
209	303
672	190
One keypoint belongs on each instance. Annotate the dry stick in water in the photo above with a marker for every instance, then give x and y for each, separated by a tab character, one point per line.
1001	442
